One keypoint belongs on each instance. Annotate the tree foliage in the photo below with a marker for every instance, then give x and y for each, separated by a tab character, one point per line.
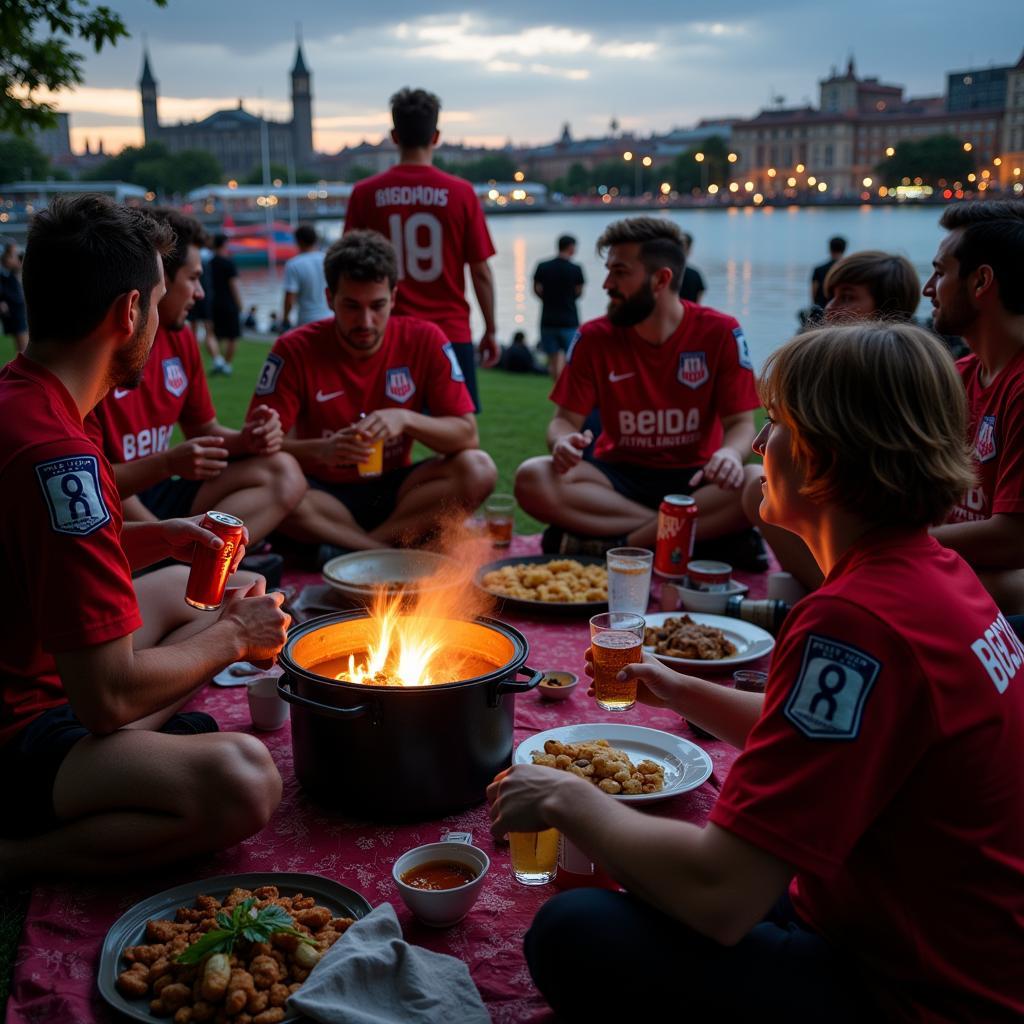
938	158
492	167
153	167
280	173
21	159
36	40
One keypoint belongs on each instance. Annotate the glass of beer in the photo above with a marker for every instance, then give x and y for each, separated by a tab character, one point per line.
500	512
616	640
629	579
374	463
534	856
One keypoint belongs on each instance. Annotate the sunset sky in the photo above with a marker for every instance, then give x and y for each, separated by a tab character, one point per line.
518	71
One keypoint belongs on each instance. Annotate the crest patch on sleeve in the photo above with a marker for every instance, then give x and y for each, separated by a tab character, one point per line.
827	700
457	373
269	374
74	496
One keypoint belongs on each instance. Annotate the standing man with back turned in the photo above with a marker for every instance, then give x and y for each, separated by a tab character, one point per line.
304	285
436	225
558	283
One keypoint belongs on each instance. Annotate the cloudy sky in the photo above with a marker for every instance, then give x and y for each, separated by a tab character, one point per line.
519	70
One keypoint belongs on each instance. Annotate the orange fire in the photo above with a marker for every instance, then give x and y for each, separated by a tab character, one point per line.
406	643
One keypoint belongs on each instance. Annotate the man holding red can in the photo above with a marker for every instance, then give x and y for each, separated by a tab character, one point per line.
105	776
674	387
242	472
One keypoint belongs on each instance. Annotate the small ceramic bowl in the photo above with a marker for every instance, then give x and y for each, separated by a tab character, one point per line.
557	685
441	908
711	601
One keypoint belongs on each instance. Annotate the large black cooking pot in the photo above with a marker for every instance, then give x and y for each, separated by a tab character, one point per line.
401	753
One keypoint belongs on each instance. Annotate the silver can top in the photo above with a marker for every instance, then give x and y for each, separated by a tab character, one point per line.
224	519
679	499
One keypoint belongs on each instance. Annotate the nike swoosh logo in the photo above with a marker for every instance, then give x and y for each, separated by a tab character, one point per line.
321	397
616	377
121	392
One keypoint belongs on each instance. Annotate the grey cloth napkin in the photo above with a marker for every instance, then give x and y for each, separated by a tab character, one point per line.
373	976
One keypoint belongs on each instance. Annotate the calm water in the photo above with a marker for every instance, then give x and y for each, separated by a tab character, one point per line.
756	263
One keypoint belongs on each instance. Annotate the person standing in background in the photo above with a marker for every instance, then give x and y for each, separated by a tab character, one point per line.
436	224
225	307
819	297
304	285
12	297
692	289
558	283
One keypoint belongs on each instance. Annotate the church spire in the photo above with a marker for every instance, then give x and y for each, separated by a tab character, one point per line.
147	73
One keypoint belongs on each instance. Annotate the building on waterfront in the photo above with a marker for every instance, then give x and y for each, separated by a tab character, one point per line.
842	140
235	136
1011	162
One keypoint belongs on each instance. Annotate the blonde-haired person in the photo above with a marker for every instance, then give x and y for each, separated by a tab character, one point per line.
809	895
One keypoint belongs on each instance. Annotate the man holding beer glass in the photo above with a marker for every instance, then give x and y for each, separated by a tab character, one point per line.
351	392
881	767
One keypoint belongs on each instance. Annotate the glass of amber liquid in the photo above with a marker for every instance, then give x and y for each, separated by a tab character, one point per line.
374	464
616	640
534	856
500	511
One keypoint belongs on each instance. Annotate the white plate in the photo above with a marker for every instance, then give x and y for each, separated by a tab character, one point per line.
686	765
752	642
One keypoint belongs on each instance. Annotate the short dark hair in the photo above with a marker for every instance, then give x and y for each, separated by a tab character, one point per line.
94	250
305	234
360	256
219	239
837	244
187	231
414	114
564	241
993	236
891	280
660	241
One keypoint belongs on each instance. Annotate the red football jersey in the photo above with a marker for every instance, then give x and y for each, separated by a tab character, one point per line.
996	425
130	424
319	389
660	405
888	769
436	224
67	584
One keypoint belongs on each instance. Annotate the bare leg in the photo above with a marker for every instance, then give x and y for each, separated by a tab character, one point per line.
321	518
556	363
260	491
21	341
212	345
229	349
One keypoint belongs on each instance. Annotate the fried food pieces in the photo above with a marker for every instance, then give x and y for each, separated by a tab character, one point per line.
249	986
602	764
560	581
683	638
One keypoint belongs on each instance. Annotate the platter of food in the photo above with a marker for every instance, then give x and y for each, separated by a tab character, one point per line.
359	575
693	640
547	583
302	915
659	764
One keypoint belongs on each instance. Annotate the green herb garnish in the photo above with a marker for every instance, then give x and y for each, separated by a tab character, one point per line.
243	923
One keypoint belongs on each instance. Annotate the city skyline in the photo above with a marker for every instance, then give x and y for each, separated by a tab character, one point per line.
526	74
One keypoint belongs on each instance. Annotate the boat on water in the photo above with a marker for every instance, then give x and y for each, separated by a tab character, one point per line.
257	245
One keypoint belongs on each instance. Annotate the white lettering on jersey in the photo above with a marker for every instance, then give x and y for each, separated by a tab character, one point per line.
827	700
417	245
74	497
658	428
147	441
411	195
1000	652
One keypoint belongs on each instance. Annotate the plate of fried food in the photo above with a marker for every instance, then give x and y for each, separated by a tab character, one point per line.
693	640
235	947
630	762
547	583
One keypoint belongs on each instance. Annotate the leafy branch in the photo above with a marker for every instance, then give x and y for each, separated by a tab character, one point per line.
244	922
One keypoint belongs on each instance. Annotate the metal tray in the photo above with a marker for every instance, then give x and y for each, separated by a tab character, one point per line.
545	607
130	928
359	574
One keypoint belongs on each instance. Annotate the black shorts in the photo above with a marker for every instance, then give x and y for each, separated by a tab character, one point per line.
14	321
370	500
29	763
226	323
465	353
171	498
643	484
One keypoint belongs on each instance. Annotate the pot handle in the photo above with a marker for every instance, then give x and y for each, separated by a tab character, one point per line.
285	692
520	686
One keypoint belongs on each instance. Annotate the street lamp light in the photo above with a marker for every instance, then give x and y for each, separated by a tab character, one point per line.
699	157
732	158
968	147
890	151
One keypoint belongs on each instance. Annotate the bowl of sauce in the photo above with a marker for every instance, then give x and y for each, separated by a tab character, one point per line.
440	882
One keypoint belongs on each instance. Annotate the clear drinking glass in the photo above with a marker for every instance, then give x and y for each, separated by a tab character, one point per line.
629	579
534	856
616	640
500	513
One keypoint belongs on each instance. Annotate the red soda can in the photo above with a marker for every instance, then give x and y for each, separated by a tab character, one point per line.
210	569
677	528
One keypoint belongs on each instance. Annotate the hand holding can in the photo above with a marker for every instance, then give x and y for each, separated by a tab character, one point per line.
211	568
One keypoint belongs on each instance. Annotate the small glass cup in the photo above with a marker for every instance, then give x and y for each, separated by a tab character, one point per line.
750	680
629	579
500	513
616	640
374	464
534	856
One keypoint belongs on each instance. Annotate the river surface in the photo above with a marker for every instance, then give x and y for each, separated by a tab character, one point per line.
756	263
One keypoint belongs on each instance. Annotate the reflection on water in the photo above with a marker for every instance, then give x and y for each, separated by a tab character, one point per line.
756	263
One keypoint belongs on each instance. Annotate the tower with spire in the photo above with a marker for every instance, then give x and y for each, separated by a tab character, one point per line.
302	108
147	87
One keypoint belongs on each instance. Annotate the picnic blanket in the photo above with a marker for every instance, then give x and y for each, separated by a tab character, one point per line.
55	970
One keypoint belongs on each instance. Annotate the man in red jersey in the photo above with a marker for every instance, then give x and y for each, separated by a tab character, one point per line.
103	775
674	386
363	378
436	225
977	291
864	860
241	472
